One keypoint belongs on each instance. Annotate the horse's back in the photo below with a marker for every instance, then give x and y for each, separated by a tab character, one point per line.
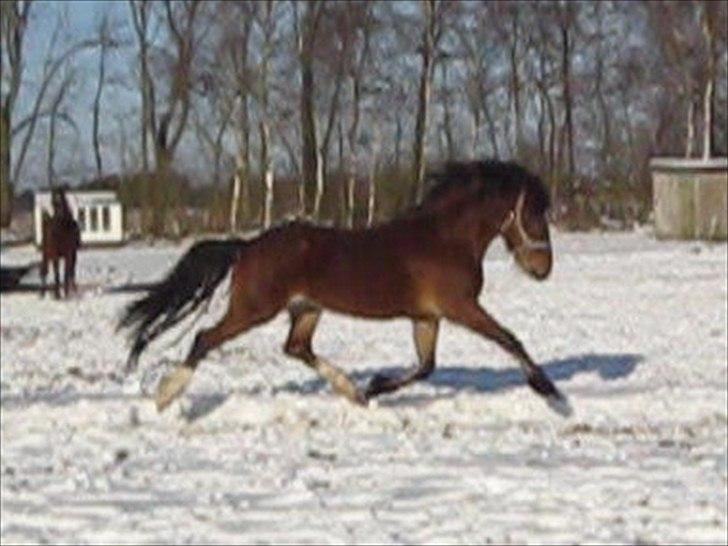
360	272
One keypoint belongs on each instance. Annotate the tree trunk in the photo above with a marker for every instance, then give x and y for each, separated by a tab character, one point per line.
423	99
515	87
566	81
493	136
14	23
353	136
690	140
541	131
350	187
97	108
398	143
449	139
235	199
139	12
708	122
309	148
6	189
269	195
266	172
52	130
373	176
318	197
474	130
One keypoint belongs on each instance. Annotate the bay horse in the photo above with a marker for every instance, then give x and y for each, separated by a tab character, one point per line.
425	265
61	240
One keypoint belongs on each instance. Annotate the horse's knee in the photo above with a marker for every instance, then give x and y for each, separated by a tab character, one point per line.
297	349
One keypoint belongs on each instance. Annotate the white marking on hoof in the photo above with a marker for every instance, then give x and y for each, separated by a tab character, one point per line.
172	385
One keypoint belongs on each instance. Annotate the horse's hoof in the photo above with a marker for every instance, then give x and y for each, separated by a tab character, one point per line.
360	398
171	386
378	385
560	404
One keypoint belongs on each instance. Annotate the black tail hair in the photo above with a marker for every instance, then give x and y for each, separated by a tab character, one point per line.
192	282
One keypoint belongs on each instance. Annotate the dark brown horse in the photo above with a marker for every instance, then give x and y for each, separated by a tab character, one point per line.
61	240
425	265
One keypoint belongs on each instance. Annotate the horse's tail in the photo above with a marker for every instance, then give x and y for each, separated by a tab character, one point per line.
192	282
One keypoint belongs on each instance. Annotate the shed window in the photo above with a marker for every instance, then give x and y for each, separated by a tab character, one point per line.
105	218
94	219
82	219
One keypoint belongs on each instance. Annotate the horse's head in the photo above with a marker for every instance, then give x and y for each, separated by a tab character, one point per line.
58	200
525	230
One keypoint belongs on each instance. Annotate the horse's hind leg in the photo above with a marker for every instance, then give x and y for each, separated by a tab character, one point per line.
473	316
69	279
66	275
72	269
43	274
304	319
425	334
239	318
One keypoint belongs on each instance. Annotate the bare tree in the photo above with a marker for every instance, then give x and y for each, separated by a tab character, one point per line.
427	55
54	114
166	112
373	164
433	29
673	26
566	18
305	30
105	41
711	25
235	53
141	15
14	24
356	74
477	48
14	21
266	20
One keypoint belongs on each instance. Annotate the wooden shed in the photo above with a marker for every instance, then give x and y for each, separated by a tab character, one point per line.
690	198
99	215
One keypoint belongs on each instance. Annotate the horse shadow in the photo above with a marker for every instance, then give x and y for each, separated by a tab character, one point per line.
488	380
202	405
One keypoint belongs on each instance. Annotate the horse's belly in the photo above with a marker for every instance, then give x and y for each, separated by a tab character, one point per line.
373	296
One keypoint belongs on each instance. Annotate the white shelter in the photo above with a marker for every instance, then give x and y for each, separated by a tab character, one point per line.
99	215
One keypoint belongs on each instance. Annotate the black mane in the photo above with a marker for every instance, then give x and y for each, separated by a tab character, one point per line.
493	178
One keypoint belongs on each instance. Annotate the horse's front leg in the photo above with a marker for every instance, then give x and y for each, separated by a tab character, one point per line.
425	334
56	279
473	316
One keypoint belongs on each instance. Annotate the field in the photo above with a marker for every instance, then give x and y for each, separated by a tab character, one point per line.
634	331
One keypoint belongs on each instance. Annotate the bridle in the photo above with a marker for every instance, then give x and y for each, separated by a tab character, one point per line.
513	218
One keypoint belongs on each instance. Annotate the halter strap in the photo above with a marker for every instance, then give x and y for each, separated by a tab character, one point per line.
514	218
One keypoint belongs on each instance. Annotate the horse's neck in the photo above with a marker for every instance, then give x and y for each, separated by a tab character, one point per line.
63	211
469	225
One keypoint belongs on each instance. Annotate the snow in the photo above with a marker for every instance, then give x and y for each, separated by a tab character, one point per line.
634	331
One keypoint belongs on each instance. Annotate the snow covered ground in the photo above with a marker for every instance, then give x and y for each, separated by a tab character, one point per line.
634	331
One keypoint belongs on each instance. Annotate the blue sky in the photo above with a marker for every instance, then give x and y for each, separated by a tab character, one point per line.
80	21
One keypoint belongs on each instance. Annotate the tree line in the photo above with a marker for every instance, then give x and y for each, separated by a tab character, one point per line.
333	110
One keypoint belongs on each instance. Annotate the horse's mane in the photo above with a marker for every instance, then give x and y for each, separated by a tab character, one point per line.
492	177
